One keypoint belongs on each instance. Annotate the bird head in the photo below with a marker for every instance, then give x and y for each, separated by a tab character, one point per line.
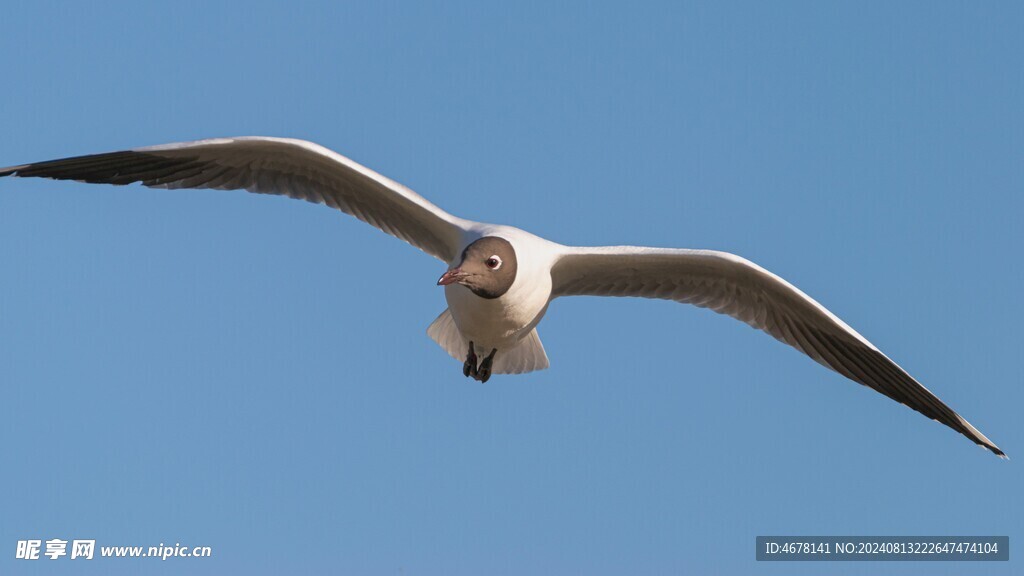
488	268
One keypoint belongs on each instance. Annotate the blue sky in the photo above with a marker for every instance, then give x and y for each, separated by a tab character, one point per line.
252	373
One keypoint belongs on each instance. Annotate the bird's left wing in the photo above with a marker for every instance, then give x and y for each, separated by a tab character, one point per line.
739	288
288	167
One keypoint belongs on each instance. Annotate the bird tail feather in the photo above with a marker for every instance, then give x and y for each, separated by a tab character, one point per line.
526	356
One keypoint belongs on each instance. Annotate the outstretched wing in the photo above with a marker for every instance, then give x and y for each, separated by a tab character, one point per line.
288	167
731	285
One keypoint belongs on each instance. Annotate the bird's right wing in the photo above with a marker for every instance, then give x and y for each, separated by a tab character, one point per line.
739	288
283	166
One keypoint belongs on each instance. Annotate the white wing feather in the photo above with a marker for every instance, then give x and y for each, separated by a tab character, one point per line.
288	167
739	288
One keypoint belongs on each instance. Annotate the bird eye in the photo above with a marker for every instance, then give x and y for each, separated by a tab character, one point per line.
493	262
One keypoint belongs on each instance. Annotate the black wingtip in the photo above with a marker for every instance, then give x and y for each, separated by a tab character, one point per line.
116	168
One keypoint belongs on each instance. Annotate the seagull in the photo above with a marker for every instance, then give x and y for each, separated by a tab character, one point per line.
500	280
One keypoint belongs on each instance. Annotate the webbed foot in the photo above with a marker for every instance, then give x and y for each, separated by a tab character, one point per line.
469	367
483	373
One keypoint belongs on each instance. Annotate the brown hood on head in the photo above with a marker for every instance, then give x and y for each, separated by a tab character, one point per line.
488	268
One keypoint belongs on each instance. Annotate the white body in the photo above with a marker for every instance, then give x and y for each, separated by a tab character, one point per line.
502	322
506	323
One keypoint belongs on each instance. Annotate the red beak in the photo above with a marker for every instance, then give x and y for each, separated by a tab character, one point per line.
451	277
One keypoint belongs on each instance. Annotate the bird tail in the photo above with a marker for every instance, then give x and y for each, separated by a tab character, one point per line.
526	356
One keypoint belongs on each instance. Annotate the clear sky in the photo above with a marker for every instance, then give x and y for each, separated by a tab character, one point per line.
252	373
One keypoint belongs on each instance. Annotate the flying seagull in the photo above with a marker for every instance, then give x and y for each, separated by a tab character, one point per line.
500	280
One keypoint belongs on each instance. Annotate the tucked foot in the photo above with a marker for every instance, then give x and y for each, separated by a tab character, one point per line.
483	373
469	368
